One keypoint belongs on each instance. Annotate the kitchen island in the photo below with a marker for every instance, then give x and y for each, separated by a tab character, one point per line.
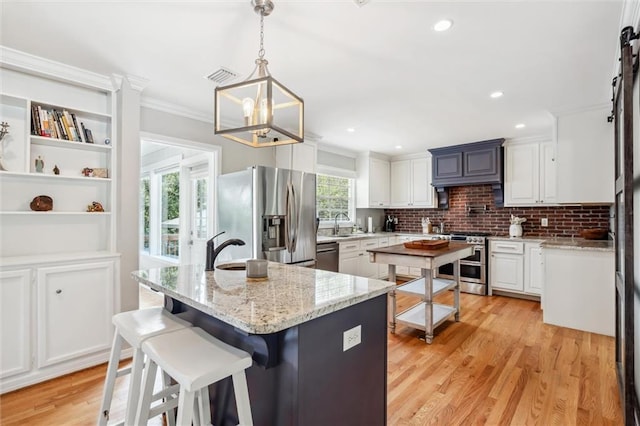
425	315
306	370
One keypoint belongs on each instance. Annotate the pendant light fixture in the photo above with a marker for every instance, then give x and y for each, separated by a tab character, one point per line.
259	111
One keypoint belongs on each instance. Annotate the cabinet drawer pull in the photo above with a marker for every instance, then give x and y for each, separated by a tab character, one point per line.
506	247
58	291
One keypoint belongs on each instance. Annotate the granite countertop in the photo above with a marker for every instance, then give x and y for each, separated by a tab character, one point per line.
568	243
578	244
291	295
364	235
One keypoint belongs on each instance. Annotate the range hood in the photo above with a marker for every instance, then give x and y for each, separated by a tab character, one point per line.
477	163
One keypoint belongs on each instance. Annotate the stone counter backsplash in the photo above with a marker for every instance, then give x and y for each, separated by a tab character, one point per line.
564	221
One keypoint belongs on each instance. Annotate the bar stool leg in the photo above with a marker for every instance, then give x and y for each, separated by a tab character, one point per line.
110	380
134	386
242	398
203	405
149	376
185	407
170	415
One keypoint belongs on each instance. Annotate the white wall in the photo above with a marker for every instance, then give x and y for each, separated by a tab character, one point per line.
235	156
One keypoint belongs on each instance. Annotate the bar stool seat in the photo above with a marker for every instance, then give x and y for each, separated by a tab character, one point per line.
195	360
134	327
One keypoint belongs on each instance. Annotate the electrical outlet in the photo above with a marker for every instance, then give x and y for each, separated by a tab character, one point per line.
351	338
544	222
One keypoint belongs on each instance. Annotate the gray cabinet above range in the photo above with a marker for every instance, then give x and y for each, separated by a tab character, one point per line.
468	164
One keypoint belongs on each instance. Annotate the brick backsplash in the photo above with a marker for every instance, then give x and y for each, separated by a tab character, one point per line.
565	221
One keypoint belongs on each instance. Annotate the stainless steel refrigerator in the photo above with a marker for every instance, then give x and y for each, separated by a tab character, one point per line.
272	210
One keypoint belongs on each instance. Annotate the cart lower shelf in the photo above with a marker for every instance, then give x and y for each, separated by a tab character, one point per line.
415	316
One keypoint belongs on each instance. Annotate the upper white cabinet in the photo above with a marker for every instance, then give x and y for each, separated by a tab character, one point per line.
585	157
299	156
530	174
411	183
372	184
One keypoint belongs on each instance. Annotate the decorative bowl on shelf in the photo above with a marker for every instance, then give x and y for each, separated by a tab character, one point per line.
594	234
41	203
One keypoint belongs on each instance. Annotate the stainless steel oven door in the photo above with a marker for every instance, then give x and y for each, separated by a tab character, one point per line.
472	268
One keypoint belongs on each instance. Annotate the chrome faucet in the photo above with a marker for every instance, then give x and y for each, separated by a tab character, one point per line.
212	253
336	228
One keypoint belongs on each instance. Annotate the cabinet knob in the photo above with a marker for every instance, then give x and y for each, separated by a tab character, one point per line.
58	291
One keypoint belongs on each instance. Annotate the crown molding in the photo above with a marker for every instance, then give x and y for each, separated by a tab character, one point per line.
529	139
137	83
414	156
578	110
170	108
323	146
116	81
31	64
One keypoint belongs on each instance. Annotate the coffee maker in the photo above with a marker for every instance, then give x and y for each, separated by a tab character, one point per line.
390	223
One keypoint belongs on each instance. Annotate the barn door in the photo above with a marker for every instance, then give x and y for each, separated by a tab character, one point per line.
627	294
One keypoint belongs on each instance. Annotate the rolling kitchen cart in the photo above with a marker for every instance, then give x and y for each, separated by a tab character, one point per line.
424	315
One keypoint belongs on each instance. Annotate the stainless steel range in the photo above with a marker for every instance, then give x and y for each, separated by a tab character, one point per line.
473	269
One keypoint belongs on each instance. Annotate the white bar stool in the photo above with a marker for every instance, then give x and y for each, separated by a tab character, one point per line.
195	360
134	327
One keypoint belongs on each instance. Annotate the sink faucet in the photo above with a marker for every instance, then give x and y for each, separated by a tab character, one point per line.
212	252
336	228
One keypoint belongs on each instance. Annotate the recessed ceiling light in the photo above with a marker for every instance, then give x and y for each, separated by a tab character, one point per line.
398	146
520	126
443	25
350	129
496	95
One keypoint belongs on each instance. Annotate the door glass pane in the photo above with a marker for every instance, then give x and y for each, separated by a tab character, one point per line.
170	208
144	202
200	207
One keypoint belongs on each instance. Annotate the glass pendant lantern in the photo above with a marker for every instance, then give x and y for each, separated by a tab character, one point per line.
259	111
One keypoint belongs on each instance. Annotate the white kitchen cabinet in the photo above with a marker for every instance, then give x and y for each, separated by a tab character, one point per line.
404	270
507	271
372	183
411	183
383	268
585	157
56	317
299	156
75	306
15	322
349	257
366	267
530	174
579	289
533	272
354	259
515	267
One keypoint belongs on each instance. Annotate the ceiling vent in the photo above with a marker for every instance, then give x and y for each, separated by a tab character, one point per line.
361	3
222	75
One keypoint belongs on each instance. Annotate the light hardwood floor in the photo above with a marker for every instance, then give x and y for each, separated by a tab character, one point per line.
498	366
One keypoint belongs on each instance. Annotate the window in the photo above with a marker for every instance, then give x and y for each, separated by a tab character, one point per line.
145	197
334	195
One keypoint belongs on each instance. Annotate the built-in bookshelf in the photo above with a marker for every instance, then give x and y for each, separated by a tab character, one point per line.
60	263
53	149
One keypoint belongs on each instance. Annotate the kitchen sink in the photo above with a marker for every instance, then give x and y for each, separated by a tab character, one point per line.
235	266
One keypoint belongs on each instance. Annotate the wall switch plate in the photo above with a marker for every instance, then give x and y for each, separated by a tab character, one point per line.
544	222
351	338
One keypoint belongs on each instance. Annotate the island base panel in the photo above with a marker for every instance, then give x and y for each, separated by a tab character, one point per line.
301	375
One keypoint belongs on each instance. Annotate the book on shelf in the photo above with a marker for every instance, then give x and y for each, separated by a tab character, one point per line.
88	135
81	134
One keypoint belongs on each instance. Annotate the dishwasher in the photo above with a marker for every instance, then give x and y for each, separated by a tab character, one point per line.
327	256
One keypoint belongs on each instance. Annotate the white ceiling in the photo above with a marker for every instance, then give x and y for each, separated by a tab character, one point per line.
379	68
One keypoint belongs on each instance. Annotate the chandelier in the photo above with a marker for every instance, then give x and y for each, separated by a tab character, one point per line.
259	111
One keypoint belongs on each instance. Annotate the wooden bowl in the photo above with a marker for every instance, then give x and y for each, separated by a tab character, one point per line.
594	233
41	203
